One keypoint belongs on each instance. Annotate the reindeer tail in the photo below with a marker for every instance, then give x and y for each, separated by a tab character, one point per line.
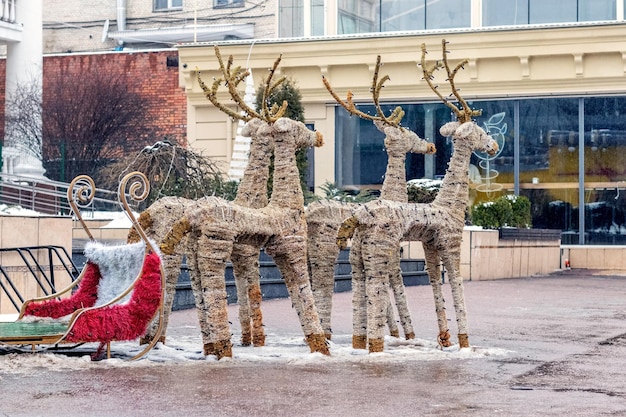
346	231
177	233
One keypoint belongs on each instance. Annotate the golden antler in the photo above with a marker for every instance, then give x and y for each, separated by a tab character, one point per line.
232	77
393	119
465	113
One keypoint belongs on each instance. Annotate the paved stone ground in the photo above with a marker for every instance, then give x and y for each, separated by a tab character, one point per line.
566	334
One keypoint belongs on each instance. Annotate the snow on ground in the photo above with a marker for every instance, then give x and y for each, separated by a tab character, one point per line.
288	349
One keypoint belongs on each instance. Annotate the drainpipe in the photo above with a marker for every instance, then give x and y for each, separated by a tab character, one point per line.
121	17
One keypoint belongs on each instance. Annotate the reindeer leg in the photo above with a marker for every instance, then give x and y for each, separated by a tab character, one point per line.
289	253
391	320
434	275
211	265
245	259
452	262
397	285
376	254
322	254
359	300
196	288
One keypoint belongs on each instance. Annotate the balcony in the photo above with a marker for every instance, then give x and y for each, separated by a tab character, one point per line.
10	30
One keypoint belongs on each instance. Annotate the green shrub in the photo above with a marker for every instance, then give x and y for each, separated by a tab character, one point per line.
422	190
506	211
521	215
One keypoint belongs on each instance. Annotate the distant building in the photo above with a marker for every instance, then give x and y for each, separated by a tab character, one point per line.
91	25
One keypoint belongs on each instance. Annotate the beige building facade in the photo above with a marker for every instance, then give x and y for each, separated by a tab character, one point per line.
557	66
560	61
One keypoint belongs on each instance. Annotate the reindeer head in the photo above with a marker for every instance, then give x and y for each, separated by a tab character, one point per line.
398	140
303	137
462	129
473	135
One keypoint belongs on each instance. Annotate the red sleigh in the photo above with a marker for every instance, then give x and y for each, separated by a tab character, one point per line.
117	295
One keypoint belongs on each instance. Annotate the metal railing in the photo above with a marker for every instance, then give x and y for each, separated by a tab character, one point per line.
45	275
47	196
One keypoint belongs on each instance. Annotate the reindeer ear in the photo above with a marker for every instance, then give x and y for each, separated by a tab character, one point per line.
251	127
449	128
283	124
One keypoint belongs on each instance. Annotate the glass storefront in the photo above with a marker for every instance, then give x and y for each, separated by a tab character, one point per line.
368	16
542	155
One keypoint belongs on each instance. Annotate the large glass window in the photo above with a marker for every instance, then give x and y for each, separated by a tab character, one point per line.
541	155
317	17
290	18
605	170
594	10
400	15
505	12
521	12
357	16
548	162
448	14
542	11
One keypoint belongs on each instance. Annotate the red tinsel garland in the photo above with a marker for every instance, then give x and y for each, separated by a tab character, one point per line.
84	297
123	321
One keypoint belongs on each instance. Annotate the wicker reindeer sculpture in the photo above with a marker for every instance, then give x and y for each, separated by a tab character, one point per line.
215	227
325	217
158	219
382	224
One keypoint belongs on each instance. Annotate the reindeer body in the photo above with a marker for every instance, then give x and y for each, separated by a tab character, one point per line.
280	227
158	219
325	218
382	224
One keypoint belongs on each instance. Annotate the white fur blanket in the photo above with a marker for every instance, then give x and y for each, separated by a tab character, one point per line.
119	266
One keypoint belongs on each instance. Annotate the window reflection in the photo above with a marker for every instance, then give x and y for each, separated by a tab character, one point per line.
448	14
605	170
542	11
291	18
505	12
403	15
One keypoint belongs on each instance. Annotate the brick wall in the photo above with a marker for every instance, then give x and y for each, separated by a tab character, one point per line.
153	78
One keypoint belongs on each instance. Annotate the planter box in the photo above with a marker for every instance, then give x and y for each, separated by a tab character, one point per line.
486	254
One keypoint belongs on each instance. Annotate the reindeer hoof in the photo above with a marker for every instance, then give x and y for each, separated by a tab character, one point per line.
444	339
317	343
258	340
359	342
377	345
246	339
221	349
463	340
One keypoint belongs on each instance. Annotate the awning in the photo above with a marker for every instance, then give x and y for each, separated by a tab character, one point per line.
183	34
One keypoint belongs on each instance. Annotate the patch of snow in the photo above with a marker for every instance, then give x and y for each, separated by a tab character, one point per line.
6	210
280	349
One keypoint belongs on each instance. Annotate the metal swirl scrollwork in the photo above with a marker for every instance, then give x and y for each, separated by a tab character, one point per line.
138	188
80	194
